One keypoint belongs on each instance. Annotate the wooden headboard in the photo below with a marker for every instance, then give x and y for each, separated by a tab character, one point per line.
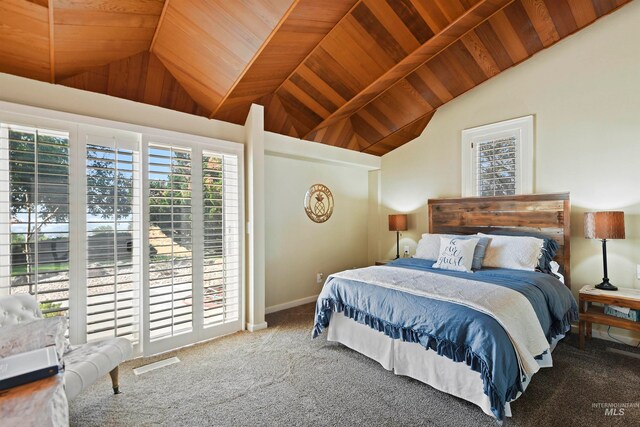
547	214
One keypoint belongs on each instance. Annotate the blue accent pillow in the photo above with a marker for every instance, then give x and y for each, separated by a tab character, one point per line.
549	248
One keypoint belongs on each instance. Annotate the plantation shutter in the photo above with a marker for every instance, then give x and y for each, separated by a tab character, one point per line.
129	233
113	237
170	242
496	167
34	215
221	238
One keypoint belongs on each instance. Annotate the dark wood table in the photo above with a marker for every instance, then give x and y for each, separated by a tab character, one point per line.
40	403
590	313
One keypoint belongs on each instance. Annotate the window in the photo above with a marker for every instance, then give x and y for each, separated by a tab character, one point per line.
221	238
171	237
497	159
112	237
34	209
496	167
127	234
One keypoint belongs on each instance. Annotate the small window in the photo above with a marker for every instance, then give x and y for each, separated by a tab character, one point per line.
497	159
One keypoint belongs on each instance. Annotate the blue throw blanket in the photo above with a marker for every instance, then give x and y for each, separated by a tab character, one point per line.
458	332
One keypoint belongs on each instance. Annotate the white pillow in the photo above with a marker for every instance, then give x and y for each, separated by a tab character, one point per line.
514	252
428	247
456	254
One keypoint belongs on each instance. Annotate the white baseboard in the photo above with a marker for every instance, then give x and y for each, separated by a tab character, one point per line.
602	334
290	304
258	326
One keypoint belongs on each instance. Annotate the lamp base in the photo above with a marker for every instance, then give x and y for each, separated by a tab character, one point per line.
606	286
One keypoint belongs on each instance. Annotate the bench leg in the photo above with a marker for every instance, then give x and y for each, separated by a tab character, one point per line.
114	380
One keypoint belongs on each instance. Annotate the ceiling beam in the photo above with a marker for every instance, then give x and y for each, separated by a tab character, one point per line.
465	23
305	28
401	136
255	57
295	70
155	34
52	55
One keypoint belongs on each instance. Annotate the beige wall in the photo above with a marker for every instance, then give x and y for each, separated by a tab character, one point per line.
585	95
296	247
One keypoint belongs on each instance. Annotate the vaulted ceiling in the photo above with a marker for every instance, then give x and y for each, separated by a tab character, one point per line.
366	75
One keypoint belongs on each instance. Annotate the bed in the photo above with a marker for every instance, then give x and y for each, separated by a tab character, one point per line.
479	336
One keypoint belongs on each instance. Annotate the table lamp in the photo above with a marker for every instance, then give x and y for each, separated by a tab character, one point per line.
604	226
398	223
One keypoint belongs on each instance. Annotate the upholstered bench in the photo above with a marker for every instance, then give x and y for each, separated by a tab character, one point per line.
84	364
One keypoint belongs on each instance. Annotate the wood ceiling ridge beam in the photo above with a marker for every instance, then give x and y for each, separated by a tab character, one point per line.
160	20
164	61
317	45
255	56
413	61
52	54
400	129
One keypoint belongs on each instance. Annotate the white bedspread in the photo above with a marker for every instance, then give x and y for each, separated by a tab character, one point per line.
508	307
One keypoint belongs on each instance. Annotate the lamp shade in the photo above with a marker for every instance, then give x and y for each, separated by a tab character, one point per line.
604	225
398	222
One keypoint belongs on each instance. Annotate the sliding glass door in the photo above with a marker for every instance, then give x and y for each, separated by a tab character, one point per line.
128	235
193	223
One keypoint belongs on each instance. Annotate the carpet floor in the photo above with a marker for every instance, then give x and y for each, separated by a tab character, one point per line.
280	377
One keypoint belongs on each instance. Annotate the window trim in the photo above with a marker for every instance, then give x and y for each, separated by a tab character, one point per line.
522	129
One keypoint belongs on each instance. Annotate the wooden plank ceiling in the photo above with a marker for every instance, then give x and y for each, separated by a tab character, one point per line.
366	75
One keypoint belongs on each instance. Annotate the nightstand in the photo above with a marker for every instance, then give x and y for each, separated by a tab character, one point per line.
623	297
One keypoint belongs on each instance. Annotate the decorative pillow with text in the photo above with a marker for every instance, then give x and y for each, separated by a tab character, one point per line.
429	247
456	254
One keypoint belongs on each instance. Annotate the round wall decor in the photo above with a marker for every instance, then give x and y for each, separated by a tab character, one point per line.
318	203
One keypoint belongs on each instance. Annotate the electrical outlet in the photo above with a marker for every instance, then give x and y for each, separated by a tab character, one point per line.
319	278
